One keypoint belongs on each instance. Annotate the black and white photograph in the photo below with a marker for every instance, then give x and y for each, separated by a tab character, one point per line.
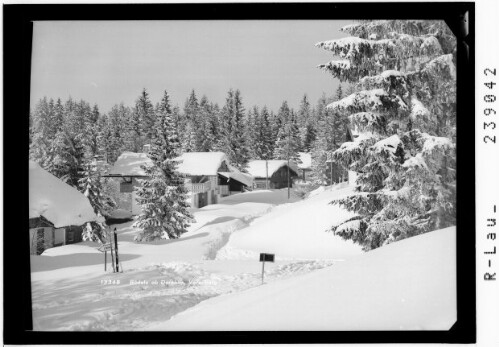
254	175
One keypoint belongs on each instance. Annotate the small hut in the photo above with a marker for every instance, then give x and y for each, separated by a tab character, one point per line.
277	171
57	211
128	170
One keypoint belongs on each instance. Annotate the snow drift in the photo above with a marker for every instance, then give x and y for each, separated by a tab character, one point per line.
296	231
407	285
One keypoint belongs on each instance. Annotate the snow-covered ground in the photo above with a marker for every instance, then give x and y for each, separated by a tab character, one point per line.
407	285
296	231
218	256
71	291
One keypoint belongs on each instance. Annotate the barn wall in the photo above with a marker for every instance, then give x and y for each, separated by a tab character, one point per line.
48	238
59	236
280	178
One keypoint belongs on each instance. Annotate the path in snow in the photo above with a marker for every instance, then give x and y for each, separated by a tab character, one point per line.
69	285
158	292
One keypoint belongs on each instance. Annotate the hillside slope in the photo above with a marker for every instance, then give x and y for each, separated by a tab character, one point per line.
407	285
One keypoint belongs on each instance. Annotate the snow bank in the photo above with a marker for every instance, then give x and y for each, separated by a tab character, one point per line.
129	164
407	285
55	200
296	231
271	196
257	169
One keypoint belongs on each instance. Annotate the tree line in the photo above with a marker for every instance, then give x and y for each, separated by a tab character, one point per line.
69	139
65	135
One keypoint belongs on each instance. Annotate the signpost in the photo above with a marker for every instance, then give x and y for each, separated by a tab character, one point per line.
104	248
111	246
263	258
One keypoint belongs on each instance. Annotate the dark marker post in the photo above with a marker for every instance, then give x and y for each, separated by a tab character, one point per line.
112	253
116	250
263	258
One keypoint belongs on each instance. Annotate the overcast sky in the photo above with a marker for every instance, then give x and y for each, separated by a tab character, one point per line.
110	62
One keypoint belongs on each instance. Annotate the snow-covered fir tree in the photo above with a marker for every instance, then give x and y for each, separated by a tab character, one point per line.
251	124
90	185
206	130
263	146
114	132
233	139
145	111
191	107
288	138
189	138
306	124
134	137
163	197
404	110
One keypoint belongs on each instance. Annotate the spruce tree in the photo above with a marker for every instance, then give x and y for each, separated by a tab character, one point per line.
306	125
135	139
252	124
205	132
233	141
288	140
189	138
114	135
191	107
163	197
404	109
264	143
90	185
145	111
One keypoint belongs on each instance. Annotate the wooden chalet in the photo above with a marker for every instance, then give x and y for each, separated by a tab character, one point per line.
57	211
208	176
277	173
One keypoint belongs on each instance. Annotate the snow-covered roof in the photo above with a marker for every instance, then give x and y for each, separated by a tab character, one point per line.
129	164
201	163
306	160
256	168
191	163
56	201
245	179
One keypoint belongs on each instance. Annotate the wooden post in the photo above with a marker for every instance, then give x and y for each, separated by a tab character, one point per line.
112	250
331	172
266	174
263	269
289	140
105	261
116	251
288	178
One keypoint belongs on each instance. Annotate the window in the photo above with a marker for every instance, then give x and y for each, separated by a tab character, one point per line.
69	236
